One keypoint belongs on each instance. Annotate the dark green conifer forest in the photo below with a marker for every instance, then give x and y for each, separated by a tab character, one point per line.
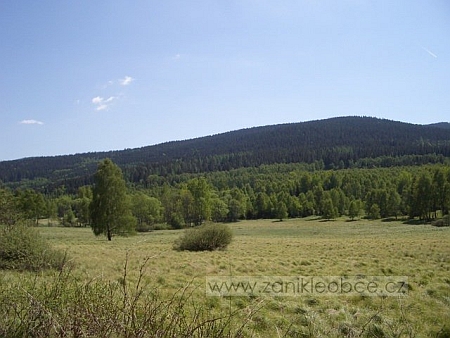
351	166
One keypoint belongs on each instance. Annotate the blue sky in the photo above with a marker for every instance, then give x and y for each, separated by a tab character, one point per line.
80	76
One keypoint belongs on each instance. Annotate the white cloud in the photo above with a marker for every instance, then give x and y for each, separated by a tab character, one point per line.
176	57
126	80
97	100
101	107
102	103
31	122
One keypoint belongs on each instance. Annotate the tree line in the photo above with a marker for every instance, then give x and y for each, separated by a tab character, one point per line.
274	191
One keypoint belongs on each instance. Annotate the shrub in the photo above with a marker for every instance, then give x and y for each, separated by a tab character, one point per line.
207	237
65	306
23	248
443	222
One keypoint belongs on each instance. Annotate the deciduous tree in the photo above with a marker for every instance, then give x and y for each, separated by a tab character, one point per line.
354	209
9	213
110	207
201	193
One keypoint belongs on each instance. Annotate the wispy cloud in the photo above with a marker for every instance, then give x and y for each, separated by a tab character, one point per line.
176	57
107	84
102	103
126	80
429	52
31	122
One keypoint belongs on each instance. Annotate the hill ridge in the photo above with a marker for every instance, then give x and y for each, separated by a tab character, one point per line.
337	141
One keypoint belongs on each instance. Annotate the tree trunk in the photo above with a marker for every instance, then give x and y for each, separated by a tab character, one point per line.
108	233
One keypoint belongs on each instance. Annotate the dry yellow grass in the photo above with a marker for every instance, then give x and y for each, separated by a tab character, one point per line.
306	247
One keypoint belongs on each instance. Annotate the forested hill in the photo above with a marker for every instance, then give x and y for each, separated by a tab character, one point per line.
444	125
336	142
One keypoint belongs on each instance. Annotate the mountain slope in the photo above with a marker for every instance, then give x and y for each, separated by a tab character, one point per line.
443	125
334	141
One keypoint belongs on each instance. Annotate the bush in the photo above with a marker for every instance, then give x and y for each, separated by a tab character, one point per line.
443	222
207	237
23	248
65	306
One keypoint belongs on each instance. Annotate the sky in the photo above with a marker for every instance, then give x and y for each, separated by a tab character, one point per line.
82	76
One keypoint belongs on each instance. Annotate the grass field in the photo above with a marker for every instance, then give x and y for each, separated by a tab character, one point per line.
299	247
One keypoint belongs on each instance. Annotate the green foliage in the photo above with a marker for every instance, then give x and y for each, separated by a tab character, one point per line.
146	209
393	204
69	218
354	209
201	203
254	193
82	203
207	237
329	211
9	213
264	192
63	205
281	211
171	200
22	248
442	222
374	211
219	210
110	207
31	204
422	197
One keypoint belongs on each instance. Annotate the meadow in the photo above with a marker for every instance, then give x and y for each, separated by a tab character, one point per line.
296	247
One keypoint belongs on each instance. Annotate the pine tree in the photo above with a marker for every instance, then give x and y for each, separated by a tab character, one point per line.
110	207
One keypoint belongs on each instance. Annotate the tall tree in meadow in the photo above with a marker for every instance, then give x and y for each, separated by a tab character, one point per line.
110	207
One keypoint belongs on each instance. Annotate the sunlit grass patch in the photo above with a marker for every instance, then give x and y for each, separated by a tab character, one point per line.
299	247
